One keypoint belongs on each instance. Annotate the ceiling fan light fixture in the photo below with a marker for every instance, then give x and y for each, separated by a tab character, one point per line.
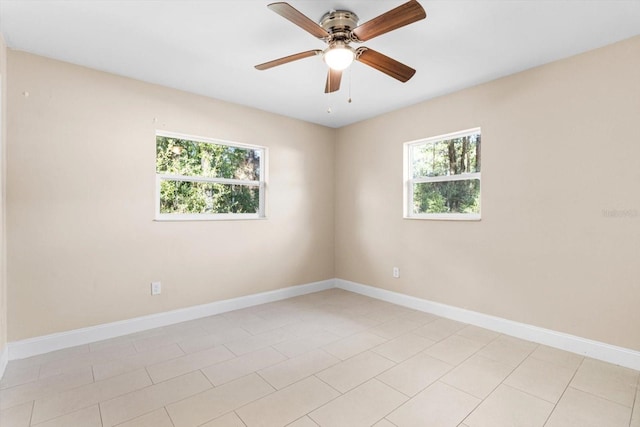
339	56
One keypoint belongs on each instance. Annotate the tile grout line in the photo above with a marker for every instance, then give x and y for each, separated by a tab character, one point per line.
33	405
563	392
237	415
100	413
501	382
169	415
635	401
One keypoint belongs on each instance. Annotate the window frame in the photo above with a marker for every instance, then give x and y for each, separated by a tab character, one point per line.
410	181
261	183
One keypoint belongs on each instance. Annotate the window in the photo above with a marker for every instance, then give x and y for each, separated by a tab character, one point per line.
442	177
200	178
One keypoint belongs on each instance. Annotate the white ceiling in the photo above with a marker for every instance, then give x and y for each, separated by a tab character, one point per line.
210	47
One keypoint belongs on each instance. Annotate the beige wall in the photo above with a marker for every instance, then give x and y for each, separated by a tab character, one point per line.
560	145
82	245
3	138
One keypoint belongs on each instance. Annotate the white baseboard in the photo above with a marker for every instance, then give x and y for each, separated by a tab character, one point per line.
586	347
590	348
4	359
44	344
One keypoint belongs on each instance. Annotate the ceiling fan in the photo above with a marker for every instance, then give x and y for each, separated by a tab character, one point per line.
339	28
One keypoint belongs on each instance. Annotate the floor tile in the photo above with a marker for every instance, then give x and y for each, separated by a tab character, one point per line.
293	370
229	420
542	379
303	422
55	405
43	359
507	407
87	359
477	376
415	374
287	405
157	418
88	417
17	416
439	329
261	325
440	404
419	316
136	361
20	375
579	409
191	362
34	390
395	327
403	347
508	350
215	323
214	339
363	406
148	399
380	308
211	404
557	356
110	342
476	333
241	316
256	342
635	416
384	423
297	346
305	328
348	326
352	372
454	349
608	381
240	366
354	344
166	338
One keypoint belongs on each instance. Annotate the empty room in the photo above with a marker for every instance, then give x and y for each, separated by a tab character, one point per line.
348	213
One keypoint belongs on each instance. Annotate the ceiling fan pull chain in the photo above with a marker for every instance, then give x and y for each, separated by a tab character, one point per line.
349	86
329	95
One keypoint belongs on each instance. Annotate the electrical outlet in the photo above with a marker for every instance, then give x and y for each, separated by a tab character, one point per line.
396	272
156	288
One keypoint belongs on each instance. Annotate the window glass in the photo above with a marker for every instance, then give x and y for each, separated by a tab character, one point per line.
442	176
198	178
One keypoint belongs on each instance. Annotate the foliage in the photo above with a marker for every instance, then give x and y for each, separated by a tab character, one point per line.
194	159
453	157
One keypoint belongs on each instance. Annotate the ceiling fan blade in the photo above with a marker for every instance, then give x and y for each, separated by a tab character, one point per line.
402	15
288	59
383	63
292	14
333	81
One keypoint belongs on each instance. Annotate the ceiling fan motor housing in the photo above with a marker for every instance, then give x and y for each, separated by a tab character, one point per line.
339	23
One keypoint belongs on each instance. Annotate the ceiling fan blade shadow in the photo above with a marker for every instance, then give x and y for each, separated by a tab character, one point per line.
294	15
287	59
402	15
383	63
333	81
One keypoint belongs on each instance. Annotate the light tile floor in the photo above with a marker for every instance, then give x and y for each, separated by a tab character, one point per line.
332	358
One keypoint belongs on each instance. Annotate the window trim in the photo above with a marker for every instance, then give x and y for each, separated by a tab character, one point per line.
261	184
409	181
